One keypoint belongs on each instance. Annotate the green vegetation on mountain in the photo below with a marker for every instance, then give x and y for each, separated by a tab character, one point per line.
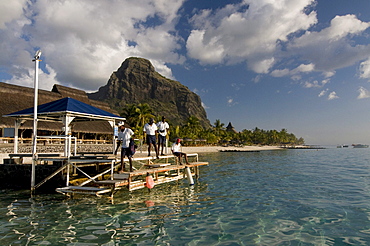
139	93
137	82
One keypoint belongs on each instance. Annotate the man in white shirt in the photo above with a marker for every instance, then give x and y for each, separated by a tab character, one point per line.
162	133
176	150
124	136
150	130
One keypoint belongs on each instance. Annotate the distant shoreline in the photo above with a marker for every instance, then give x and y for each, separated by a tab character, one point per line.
209	149
8	148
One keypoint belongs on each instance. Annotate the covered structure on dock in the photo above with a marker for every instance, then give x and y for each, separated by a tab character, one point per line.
14	98
66	111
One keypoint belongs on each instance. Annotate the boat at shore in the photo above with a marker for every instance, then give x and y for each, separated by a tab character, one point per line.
360	146
342	146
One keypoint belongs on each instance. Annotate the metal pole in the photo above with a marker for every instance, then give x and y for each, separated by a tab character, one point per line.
34	139
16	127
165	144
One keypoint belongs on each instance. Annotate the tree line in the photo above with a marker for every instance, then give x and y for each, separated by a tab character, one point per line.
193	132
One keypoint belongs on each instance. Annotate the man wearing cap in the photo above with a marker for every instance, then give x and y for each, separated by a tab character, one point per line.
176	150
162	133
124	135
150	130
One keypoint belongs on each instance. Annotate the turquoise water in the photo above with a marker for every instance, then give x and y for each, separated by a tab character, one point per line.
290	197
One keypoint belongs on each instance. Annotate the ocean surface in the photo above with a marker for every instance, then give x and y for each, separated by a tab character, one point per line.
284	197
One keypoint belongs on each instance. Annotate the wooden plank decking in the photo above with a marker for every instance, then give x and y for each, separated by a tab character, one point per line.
162	173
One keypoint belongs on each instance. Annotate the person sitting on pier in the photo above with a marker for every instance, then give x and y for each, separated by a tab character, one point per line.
124	136
176	150
150	130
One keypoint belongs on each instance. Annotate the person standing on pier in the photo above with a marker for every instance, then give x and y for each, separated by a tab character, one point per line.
150	130
176	150
162	133
124	135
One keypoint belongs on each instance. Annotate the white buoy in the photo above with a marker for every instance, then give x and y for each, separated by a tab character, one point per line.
189	176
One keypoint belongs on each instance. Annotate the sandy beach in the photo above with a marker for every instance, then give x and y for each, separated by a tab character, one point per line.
143	152
210	149
203	149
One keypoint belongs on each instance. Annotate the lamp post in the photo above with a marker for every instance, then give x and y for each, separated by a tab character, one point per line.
34	138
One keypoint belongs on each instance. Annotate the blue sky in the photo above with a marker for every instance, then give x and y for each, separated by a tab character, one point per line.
302	65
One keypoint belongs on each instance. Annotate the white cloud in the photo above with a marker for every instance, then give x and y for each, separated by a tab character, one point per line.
280	73
257	79
303	68
85	41
211	52
205	106
332	95
262	66
26	78
331	48
236	33
162	69
363	93
325	81
323	92
365	69
328	74
315	84
10	11
231	102
312	84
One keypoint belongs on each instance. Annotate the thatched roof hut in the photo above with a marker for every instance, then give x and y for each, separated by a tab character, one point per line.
14	98
230	128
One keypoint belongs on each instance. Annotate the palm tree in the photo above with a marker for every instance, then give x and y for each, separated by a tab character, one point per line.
192	127
283	135
209	136
259	136
246	136
137	116
130	113
218	127
273	137
144	113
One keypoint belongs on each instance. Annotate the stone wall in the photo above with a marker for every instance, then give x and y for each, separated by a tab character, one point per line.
56	148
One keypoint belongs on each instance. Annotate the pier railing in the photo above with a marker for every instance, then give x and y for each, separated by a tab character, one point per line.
54	140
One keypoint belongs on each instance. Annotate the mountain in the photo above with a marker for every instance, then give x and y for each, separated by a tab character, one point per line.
136	81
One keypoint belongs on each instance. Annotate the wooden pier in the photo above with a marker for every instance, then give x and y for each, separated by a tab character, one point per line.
108	181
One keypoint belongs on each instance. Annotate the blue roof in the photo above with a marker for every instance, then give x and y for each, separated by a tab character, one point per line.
67	105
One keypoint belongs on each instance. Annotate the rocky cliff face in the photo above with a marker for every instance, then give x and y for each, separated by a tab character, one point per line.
136	81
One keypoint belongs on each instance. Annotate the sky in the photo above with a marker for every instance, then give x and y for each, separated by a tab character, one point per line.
300	65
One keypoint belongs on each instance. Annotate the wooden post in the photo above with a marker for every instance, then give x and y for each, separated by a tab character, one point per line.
67	179
16	127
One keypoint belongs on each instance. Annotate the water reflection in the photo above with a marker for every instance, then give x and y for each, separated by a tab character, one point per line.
146	214
139	216
281	198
